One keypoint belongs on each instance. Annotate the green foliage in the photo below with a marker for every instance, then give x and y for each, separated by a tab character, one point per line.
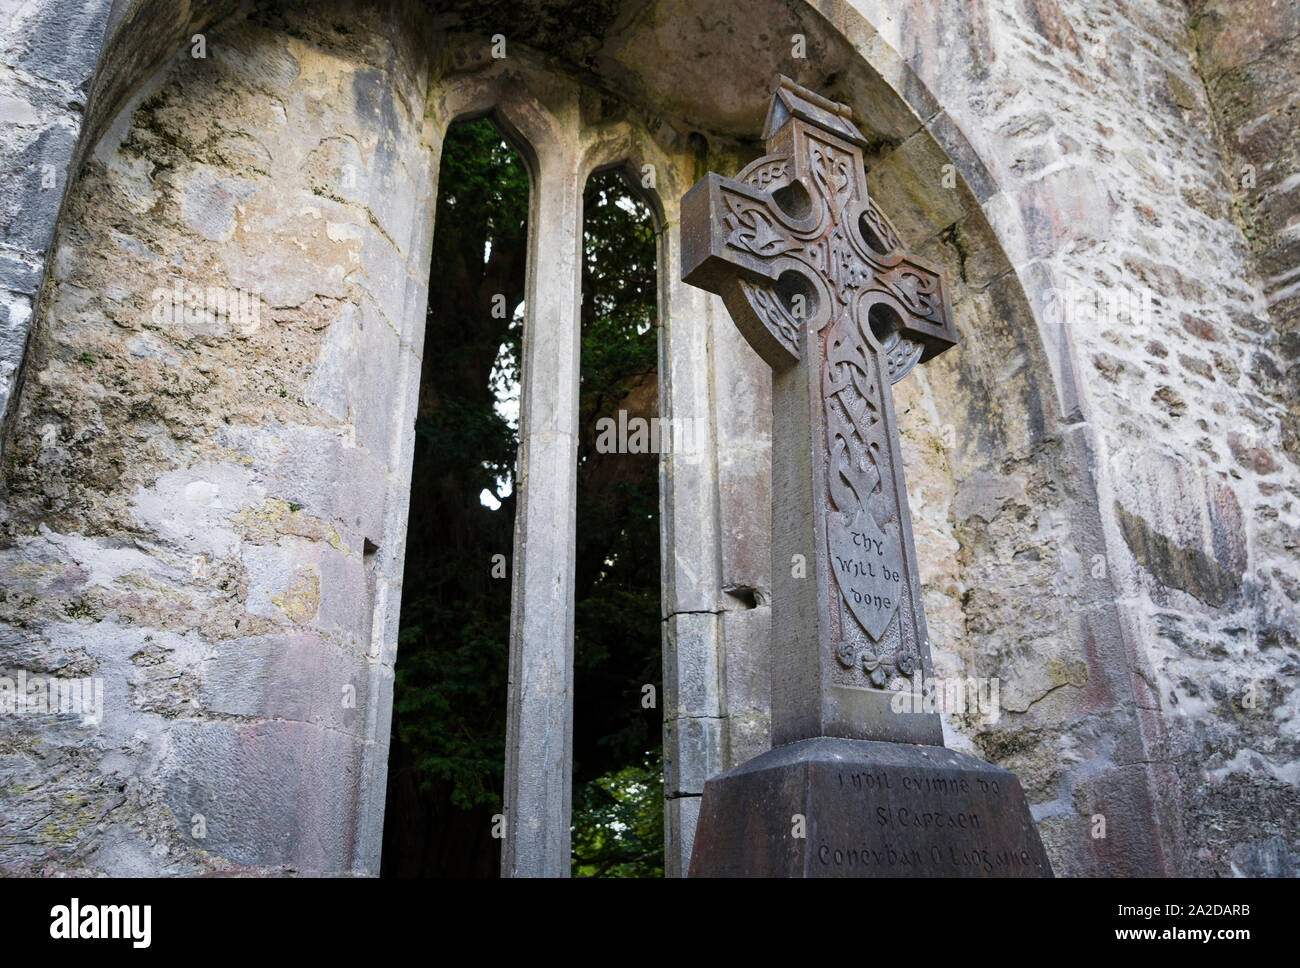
619	830
477	444
619	338
445	708
482	188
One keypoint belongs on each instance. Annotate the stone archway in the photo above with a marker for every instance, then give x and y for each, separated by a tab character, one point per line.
224	526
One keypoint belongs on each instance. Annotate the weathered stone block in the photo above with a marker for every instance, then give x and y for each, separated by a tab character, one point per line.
745	503
265	793
298	678
694	750
345	596
58	40
335	363
680	816
849	808
30	204
747	660
691	664
906	181
374	384
748	736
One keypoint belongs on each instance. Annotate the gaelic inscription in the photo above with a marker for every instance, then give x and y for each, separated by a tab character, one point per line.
922	823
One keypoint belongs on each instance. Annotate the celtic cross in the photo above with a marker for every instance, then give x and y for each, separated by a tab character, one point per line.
817	280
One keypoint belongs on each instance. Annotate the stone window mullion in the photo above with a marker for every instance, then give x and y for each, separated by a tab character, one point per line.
539	737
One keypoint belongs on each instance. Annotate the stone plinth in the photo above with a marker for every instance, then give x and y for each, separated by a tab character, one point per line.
866	809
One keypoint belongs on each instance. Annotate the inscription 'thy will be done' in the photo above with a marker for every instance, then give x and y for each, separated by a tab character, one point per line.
872	569
869	571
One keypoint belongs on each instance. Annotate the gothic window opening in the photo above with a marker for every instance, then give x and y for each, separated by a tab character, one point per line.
449	712
618	828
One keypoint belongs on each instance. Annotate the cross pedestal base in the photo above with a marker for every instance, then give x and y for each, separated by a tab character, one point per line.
866	809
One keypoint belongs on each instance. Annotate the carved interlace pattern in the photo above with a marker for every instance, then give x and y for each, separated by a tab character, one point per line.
769	170
769	308
833	177
855	427
839	241
900	356
753	229
880	225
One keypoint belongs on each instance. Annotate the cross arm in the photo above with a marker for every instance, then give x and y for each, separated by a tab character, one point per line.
737	242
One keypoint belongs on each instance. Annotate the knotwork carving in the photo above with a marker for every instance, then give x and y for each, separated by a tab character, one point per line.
768	306
900	356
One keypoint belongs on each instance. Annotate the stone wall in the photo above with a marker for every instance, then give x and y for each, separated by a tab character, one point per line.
1123	177
48	54
1246	57
204	492
65	68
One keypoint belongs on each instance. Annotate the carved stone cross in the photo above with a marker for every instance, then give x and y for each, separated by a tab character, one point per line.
816	279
